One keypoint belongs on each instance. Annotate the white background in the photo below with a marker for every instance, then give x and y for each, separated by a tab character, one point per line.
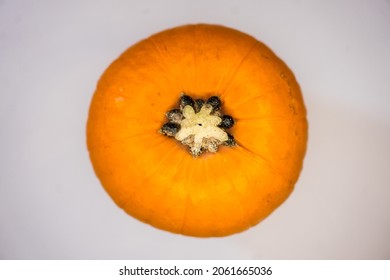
51	55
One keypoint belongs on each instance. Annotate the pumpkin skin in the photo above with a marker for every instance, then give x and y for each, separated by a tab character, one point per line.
153	177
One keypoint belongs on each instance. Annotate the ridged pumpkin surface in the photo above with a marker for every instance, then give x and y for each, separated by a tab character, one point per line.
153	177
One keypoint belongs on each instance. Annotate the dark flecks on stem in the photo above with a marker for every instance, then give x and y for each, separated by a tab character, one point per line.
230	141
175	115
215	102
170	129
227	122
185	100
198	105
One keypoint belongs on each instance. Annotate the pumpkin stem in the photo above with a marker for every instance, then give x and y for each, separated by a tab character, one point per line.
199	125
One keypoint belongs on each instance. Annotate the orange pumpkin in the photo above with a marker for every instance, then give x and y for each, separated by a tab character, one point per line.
199	130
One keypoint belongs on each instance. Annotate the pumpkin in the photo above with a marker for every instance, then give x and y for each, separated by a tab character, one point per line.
199	130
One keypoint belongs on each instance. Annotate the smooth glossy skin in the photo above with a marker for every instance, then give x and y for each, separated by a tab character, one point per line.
153	177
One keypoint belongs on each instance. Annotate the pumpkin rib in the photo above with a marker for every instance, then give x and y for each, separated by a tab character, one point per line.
248	214
254	120
106	142
251	98
187	203
180	162
137	135
166	156
224	168
224	91
162	191
186	184
229	187
185	171
196	30
165	68
260	159
202	167
133	73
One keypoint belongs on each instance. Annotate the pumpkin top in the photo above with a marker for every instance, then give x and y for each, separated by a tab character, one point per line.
242	107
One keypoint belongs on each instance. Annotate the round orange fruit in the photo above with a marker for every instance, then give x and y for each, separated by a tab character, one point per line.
199	130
